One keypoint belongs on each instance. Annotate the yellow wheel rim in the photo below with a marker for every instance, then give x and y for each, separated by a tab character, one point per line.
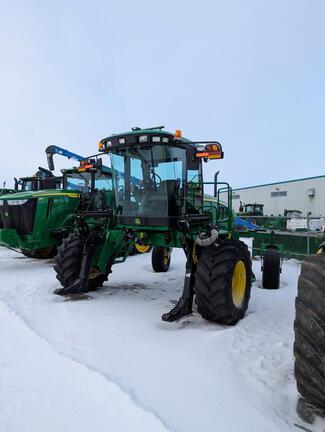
238	286
166	256
141	248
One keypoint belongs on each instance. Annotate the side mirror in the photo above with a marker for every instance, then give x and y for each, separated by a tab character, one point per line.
208	150
192	162
99	165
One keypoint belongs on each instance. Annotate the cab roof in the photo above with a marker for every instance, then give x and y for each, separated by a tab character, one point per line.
157	130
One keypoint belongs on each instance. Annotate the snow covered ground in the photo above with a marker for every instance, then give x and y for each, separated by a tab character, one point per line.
108	363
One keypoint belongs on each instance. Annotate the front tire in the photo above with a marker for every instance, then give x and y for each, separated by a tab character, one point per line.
68	263
160	259
223	282
309	327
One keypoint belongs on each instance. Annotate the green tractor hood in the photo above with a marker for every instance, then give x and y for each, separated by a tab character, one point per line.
29	220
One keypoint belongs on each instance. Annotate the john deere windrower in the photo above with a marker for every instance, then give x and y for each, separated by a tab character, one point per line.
159	201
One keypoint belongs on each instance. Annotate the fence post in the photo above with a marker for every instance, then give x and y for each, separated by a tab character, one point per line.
308	233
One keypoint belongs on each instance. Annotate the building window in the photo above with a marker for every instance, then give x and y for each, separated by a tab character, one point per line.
278	194
235	196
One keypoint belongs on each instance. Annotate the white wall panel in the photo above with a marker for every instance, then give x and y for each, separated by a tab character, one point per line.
297	197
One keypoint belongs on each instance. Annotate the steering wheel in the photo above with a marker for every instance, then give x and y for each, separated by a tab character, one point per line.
154	176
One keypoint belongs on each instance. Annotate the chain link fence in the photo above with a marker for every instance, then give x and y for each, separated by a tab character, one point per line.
294	236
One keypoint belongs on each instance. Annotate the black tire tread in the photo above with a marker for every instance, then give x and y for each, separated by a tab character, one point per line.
271	269
213	279
309	328
157	260
68	263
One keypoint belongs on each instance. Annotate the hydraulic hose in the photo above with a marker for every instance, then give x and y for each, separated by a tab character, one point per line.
207	241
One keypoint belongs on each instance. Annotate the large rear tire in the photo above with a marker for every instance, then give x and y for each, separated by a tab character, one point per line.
68	263
223	282
42	253
160	258
309	327
271	269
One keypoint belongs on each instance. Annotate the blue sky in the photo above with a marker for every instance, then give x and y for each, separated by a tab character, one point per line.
250	74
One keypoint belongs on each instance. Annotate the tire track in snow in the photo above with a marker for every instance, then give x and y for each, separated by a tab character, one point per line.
128	391
262	347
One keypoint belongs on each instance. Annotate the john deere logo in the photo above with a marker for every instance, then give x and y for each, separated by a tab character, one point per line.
137	221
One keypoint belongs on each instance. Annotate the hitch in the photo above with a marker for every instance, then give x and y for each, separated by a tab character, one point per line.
185	303
81	283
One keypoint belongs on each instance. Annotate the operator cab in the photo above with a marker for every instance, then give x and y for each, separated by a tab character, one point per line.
253	209
157	175
40	181
93	181
91	175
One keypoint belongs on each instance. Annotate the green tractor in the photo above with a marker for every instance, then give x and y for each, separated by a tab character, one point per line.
43	179
251	209
159	201
253	213
37	218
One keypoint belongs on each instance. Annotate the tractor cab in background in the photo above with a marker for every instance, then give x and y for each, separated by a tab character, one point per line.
251	209
43	179
89	176
36	219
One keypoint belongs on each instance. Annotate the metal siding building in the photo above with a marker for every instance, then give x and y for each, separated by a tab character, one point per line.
306	195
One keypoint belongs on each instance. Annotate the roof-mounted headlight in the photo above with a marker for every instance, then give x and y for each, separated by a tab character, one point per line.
17	201
209	150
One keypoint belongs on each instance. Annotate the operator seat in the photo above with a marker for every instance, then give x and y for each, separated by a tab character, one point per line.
161	201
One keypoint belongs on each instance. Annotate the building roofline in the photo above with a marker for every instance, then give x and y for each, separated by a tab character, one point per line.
276	183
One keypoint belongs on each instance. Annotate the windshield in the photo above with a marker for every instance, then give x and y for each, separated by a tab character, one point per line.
83	182
254	208
27	185
103	182
78	181
148	181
